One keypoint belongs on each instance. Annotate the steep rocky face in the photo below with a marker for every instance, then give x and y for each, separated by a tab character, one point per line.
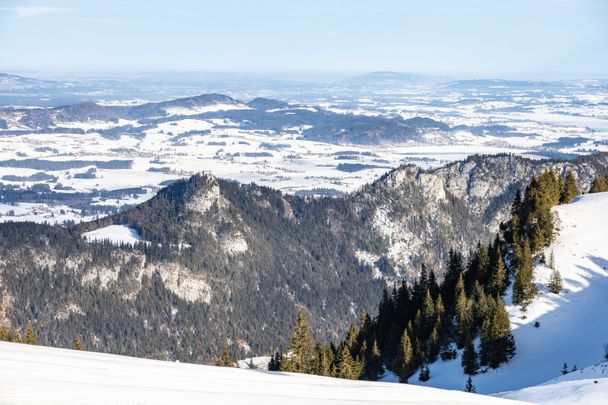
419	214
236	261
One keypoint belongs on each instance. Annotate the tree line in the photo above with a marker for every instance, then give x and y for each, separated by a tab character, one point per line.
427	320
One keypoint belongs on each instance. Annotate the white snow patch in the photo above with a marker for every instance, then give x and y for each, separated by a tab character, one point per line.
115	234
44	375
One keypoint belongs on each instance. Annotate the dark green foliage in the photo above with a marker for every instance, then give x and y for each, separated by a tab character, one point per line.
469	359
275	362
425	373
469	387
569	190
565	369
497	342
599	185
300	354
524	289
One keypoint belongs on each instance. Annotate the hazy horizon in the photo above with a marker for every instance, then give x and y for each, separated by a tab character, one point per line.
540	40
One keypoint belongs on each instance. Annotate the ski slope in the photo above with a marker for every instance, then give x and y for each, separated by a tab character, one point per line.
573	326
44	375
588	386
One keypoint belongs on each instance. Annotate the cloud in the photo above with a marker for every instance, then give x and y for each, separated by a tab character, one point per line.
31	11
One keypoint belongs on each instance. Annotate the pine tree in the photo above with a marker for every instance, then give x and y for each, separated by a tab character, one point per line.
373	362
225	359
565	369
275	362
30	336
555	282
470	387
300	353
498	279
569	191
469	359
5	335
524	289
497	342
462	314
425	373
76	343
16	338
347	367
406	358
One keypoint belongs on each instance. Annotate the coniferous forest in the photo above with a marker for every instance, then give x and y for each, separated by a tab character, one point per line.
463	314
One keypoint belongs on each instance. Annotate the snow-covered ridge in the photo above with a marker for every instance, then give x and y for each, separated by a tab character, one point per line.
44	375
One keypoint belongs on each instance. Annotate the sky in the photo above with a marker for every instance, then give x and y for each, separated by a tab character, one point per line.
535	39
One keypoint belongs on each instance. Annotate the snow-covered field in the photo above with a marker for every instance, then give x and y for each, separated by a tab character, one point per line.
551	120
587	386
573	326
116	234
43	375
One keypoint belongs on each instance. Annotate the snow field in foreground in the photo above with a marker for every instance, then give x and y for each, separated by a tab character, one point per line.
44	375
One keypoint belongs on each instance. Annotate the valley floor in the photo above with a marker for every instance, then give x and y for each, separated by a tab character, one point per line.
44	375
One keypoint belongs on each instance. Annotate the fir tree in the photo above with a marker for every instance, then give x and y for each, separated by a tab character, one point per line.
275	362
469	387
76	343
469	359
347	367
565	369
225	359
569	191
373	362
462	314
5	335
497	342
16	338
300	352
425	373
406	358
524	289
30	336
555	282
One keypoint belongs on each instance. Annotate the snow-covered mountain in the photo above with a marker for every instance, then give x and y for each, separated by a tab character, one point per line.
71	377
572	326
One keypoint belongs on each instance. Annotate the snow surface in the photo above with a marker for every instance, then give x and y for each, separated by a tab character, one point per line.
44	375
587	386
573	326
116	234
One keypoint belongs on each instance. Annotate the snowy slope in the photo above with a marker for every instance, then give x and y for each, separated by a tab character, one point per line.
588	386
42	375
116	234
573	325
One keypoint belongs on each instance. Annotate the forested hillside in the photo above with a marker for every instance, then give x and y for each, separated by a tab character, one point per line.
223	260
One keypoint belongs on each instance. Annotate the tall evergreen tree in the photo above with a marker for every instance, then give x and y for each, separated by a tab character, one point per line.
406	358
524	289
497	342
225	359
469	387
469	359
300	353
77	343
569	191
30	336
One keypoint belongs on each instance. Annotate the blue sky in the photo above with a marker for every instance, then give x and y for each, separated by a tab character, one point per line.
468	38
